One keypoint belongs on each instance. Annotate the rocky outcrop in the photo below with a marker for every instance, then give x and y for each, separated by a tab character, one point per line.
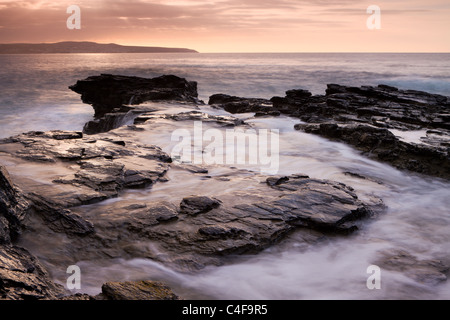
107	122
22	277
382	144
113	93
381	106
244	213
95	170
203	230
13	208
234	104
362	117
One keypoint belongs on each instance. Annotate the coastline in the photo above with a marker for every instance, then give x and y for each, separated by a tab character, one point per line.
204	230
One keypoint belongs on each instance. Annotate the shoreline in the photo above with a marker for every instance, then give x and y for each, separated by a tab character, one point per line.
199	230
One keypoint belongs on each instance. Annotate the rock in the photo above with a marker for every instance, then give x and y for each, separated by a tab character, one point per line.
95	171
129	290
298	94
430	272
137	290
107	122
385	107
22	277
107	92
190	116
13	208
382	144
77	296
234	104
59	219
197	204
204	230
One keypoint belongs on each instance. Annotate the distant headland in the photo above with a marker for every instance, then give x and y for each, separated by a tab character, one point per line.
83	47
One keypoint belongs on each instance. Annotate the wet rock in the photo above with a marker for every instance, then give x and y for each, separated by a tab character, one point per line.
198	204
22	277
382	144
59	219
107	92
13	208
203	230
430	272
97	169
234	104
107	122
220	232
385	107
137	290
190	115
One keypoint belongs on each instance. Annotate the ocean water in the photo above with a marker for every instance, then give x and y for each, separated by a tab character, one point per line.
34	96
34	92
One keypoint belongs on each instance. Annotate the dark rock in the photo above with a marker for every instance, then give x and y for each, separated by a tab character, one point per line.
233	104
385	107
207	229
198	204
220	232
137	290
13	208
383	145
107	122
391	107
298	94
22	277
108	92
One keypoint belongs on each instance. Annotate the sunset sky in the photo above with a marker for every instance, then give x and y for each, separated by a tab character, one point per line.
236	25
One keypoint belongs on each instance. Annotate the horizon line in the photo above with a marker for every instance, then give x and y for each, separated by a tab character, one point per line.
212	52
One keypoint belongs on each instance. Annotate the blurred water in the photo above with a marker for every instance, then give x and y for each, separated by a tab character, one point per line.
34	96
34	93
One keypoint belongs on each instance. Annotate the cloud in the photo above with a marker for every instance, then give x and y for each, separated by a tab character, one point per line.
212	22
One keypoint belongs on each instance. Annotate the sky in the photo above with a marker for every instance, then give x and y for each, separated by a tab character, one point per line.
235	25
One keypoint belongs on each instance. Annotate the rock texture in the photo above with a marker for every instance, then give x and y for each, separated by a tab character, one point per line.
60	201
108	93
234	104
22	277
13	208
136	290
363	117
191	115
96	170
381	106
382	144
203	230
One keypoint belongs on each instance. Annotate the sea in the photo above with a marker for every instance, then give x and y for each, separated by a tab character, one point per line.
34	96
